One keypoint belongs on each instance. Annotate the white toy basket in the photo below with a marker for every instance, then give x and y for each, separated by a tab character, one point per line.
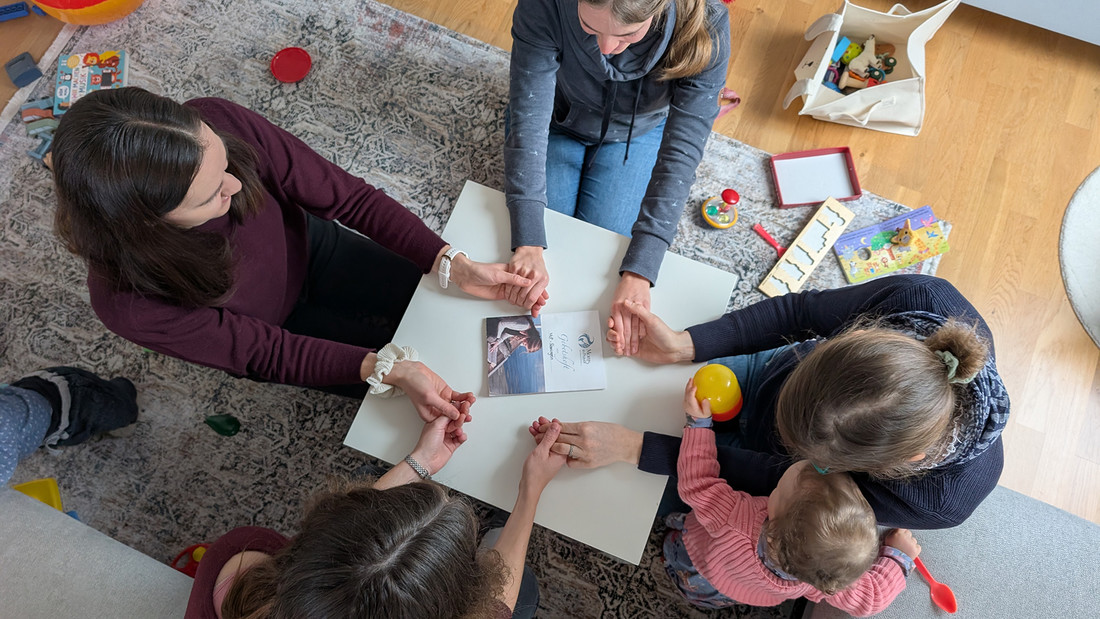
894	106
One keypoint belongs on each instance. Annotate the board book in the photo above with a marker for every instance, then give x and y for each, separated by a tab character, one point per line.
873	251
81	73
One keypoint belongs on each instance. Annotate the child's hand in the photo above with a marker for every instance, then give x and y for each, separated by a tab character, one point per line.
691	404
903	540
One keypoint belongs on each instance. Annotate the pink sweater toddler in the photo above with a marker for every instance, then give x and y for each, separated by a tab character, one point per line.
722	531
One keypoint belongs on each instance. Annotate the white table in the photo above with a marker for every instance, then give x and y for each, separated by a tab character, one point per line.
612	508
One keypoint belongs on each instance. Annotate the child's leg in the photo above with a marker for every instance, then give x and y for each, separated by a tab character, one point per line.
688	580
24	420
83	404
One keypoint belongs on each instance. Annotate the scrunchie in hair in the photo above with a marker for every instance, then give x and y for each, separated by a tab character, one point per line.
952	363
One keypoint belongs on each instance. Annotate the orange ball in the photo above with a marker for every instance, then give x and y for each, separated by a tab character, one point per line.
718	383
88	12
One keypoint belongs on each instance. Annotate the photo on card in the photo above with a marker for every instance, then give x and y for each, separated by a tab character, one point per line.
553	352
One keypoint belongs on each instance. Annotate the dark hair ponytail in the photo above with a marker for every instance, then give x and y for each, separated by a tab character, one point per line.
122	159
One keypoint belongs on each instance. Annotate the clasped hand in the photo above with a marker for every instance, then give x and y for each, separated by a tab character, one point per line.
652	340
429	393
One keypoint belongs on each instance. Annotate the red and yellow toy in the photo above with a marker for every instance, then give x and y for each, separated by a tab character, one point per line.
720	212
88	12
718	383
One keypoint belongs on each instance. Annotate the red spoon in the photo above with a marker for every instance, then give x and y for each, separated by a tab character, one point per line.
942	595
769	239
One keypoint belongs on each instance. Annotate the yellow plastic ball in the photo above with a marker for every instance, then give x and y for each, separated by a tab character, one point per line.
718	383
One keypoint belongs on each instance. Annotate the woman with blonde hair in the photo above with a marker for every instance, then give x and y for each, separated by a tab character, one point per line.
610	105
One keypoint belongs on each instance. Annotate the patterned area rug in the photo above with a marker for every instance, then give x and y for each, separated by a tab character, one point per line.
413	108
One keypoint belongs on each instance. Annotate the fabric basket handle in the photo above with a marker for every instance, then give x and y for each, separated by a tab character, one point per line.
863	116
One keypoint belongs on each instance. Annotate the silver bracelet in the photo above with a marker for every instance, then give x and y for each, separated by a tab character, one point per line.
416	466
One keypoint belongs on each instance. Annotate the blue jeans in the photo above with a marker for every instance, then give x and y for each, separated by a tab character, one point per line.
599	187
749	370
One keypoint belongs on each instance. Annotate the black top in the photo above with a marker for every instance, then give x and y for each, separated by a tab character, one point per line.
941	497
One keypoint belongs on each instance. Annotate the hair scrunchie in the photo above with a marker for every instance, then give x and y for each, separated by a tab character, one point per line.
952	363
387	356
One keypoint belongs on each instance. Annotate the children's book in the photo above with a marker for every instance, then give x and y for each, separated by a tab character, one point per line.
79	74
894	244
551	352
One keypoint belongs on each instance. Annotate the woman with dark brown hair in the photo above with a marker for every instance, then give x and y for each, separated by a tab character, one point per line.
403	547
213	236
893	381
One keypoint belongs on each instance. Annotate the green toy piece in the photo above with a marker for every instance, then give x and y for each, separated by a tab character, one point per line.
226	425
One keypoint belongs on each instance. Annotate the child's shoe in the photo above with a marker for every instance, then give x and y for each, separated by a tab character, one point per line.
84	405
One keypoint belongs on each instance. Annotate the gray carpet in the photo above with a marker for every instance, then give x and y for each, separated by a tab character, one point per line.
413	108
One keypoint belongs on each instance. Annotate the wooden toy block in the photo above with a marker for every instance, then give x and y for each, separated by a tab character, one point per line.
808	249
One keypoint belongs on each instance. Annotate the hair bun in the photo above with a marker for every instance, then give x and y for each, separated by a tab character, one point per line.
963	343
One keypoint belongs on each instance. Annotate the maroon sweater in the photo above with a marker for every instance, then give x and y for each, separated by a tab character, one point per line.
243	336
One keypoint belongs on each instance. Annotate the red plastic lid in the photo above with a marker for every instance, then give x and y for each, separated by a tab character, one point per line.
291	64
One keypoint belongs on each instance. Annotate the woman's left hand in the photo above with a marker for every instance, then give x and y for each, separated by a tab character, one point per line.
489	280
439	439
430	394
635	288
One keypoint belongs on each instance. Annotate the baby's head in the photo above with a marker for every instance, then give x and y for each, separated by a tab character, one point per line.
820	529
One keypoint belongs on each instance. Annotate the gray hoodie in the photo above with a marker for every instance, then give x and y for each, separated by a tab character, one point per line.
559	77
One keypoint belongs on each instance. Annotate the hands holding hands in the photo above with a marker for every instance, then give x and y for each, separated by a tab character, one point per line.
527	263
431	395
542	463
496	281
652	340
589	444
439	439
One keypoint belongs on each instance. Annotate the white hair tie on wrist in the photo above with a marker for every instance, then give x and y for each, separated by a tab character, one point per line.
387	356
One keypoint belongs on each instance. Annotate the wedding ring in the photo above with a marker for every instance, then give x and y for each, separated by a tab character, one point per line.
570	454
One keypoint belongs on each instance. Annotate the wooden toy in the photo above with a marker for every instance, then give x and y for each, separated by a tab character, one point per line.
36	110
808	249
42	151
720	212
865	59
39	127
22	70
841	47
855	49
718	383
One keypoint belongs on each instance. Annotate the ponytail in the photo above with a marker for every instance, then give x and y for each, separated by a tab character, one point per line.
692	46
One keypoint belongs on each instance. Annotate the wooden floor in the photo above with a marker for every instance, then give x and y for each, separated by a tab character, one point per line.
1011	129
